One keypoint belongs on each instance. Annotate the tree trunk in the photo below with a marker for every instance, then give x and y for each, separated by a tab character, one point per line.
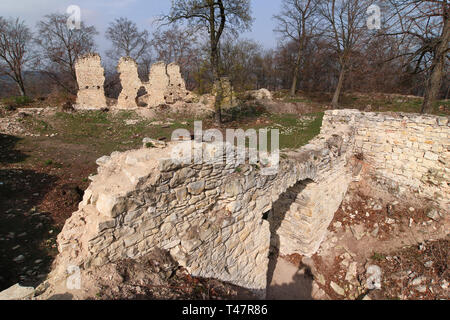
337	92
295	75
437	70
21	87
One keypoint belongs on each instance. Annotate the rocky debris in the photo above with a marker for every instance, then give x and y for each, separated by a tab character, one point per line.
261	94
17	292
155	276
340	291
433	214
358	231
152	143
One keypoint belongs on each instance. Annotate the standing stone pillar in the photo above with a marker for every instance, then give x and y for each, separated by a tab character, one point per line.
130	82
90	78
157	85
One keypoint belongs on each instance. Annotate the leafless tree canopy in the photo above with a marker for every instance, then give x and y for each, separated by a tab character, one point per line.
297	22
127	40
60	47
213	16
15	53
422	31
325	47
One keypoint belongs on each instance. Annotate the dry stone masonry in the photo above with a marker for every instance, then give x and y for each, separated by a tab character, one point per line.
130	81
90	78
210	215
410	150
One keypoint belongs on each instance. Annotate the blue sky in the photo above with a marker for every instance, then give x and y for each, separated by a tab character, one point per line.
100	12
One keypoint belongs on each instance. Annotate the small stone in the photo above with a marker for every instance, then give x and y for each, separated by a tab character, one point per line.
19	259
418	281
411	209
377	207
337	288
16	292
337	225
321	279
422	289
428	264
433	214
358	231
390	221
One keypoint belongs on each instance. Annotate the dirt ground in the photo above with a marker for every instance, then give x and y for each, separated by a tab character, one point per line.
397	235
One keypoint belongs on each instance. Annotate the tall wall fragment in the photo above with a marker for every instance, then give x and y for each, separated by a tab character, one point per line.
90	78
157	85
130	81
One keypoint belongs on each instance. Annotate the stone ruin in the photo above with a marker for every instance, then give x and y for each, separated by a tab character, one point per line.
130	81
165	85
90	78
157	85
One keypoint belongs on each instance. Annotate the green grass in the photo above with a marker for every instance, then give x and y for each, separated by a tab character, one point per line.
296	131
378	256
17	102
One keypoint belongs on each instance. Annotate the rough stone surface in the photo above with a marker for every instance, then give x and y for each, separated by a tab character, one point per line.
17	292
409	151
157	85
90	78
130	81
209	215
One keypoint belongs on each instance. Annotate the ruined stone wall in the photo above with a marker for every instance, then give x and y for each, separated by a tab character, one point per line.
209	216
90	78
411	150
166	85
130	82
157	85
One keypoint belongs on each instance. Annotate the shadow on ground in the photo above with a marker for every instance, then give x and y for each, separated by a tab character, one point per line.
26	235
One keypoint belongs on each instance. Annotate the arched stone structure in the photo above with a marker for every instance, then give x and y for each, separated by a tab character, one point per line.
208	215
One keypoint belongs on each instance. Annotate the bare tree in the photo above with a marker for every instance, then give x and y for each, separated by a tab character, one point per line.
61	46
127	40
294	24
213	16
15	50
174	44
423	32
346	24
239	60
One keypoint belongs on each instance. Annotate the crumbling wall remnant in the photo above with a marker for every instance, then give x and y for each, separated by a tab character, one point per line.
208	215
130	81
90	78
